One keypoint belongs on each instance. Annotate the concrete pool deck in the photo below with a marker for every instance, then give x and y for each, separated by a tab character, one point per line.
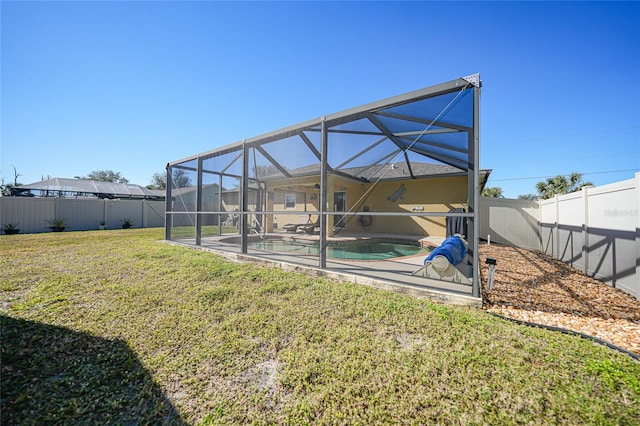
391	275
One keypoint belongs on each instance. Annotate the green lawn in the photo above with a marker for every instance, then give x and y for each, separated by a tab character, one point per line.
117	327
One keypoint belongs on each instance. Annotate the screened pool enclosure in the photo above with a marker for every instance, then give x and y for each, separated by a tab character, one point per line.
364	193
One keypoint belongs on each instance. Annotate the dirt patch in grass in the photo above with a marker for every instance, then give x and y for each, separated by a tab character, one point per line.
534	287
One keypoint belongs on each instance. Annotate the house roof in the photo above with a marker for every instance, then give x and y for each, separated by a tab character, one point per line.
97	188
386	172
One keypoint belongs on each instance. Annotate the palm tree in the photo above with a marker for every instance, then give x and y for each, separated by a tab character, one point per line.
494	191
560	184
528	197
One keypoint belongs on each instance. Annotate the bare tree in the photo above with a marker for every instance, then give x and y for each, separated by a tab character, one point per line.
179	179
158	181
5	188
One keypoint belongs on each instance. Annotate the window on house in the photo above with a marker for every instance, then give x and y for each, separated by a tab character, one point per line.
290	201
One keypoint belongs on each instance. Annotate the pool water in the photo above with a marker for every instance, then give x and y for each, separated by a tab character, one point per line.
372	249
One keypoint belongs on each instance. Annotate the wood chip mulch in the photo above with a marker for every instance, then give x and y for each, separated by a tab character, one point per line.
534	287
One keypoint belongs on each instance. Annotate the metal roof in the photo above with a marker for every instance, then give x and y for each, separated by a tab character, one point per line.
97	188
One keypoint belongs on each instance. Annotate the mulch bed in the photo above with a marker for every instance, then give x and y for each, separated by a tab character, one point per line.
534	287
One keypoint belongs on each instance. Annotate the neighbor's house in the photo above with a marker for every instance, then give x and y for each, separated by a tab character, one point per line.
75	188
82	204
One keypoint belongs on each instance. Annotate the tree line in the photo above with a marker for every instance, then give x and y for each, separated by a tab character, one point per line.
179	178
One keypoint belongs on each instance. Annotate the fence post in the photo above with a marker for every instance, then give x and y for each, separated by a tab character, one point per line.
585	231
556	243
637	214
540	227
56	208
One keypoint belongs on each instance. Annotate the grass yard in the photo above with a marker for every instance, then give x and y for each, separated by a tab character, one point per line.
116	327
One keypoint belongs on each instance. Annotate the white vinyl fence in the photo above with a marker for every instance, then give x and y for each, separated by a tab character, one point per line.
79	214
510	222
596	230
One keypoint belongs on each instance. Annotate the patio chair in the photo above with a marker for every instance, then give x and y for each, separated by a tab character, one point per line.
293	227
311	228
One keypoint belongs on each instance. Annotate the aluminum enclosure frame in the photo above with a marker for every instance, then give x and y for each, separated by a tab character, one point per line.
460	160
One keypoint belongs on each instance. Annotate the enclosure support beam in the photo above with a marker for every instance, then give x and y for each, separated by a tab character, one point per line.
309	144
199	203
475	190
323	195
272	161
244	199
364	151
168	216
220	204
391	137
406	159
382	162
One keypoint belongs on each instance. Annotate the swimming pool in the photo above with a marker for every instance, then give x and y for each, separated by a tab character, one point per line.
370	249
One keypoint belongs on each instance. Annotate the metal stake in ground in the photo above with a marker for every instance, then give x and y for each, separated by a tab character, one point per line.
492	269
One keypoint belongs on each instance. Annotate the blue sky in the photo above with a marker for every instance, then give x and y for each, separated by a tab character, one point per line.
130	86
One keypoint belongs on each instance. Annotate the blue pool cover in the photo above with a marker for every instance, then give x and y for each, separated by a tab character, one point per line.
453	248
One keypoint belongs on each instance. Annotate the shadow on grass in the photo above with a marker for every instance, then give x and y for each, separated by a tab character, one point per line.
53	375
